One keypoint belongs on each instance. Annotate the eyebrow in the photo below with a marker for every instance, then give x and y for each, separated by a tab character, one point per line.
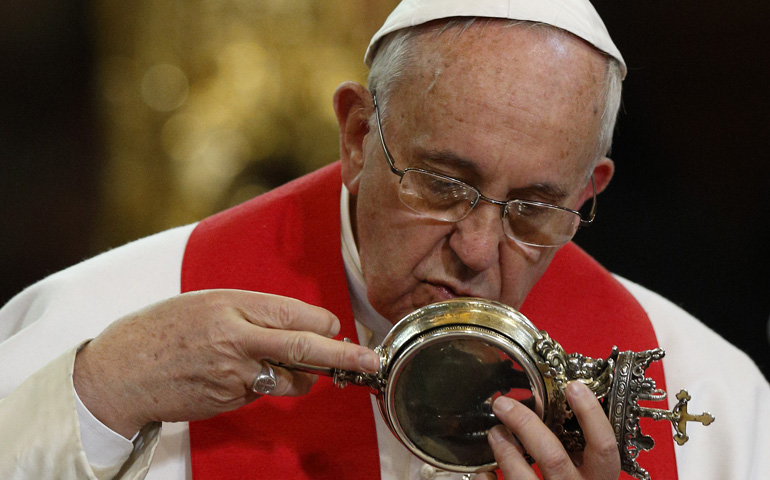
439	158
449	161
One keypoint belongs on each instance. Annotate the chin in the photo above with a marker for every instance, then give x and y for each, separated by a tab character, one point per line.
391	311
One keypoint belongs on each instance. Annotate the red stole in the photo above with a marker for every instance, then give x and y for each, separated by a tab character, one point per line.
287	242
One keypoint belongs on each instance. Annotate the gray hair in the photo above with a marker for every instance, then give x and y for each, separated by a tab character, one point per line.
396	52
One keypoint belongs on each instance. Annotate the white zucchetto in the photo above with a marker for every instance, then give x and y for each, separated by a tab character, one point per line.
575	16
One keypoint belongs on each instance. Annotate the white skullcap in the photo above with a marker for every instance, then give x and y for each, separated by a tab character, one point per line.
575	16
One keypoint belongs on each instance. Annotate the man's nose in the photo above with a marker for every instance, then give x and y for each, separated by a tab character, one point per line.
477	238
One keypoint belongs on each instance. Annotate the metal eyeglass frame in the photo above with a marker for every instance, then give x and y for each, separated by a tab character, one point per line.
584	222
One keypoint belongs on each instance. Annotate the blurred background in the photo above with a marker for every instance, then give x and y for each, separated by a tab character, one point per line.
121	119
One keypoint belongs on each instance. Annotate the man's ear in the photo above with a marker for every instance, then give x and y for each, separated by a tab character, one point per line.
353	106
603	171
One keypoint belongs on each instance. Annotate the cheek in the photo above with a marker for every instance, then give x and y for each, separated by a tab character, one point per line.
394	250
383	240
520	270
396	247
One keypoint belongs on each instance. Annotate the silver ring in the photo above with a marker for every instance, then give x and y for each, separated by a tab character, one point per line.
265	382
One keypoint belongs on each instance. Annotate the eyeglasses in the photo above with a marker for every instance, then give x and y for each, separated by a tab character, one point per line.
448	199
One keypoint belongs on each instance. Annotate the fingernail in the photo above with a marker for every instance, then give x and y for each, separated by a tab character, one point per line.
334	329
370	362
497	434
502	404
576	389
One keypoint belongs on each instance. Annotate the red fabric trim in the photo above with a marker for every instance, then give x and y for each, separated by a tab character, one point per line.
287	242
584	308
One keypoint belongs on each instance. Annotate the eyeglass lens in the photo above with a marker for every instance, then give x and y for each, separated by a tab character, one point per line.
446	199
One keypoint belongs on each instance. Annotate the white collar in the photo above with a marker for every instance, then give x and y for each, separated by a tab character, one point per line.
395	460
363	311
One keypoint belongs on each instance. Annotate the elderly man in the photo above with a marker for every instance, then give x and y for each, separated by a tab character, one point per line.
464	168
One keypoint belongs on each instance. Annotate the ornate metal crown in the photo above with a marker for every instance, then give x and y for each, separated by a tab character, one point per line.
620	382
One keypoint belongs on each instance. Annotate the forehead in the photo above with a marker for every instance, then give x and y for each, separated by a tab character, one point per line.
532	89
466	56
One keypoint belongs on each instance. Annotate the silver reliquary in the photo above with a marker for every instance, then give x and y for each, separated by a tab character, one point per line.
443	365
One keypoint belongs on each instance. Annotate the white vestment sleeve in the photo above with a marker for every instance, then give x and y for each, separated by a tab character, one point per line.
105	449
721	380
41	436
38	413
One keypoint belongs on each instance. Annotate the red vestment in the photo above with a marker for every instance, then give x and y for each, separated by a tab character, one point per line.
287	242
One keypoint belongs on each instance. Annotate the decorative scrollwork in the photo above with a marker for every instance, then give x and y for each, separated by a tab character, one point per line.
629	387
595	373
620	382
553	365
561	368
554	359
343	378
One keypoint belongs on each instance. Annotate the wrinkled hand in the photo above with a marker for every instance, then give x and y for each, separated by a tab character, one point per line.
600	459
196	355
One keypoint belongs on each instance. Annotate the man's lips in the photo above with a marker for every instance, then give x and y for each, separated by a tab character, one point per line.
443	291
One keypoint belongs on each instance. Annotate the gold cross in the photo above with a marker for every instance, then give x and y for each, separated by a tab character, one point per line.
681	416
678	416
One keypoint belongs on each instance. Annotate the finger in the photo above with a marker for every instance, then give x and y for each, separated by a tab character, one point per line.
601	456
509	454
535	437
284	313
309	348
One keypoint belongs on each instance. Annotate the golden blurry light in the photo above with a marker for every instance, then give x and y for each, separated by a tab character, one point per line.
164	87
207	103
247	69
206	157
209	172
181	137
